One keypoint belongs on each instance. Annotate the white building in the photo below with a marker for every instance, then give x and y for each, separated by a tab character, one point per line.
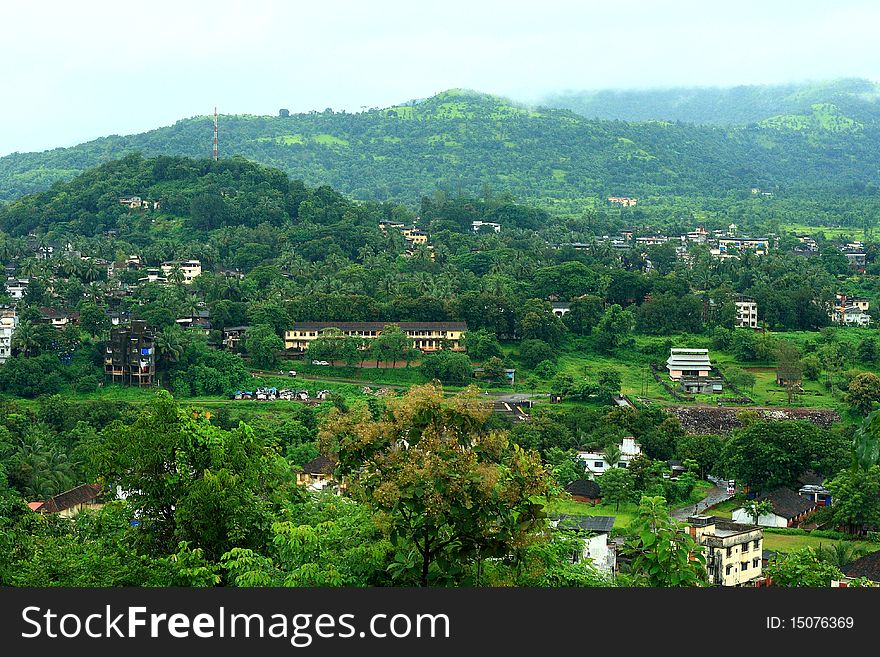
593	532
154	275
688	362
851	311
596	463
560	308
477	225
17	287
788	509
189	268
8	324
652	240
746	313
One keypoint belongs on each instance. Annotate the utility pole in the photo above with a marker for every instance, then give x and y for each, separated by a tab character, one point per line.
216	152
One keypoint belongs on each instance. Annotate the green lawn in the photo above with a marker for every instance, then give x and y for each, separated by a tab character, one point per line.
789	542
622	517
830	232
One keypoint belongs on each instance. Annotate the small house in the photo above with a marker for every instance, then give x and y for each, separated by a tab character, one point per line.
71	502
317	473
596	463
585	490
867	567
789	509
593	532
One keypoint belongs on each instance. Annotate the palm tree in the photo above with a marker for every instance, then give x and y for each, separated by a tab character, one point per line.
840	554
175	276
170	346
37	469
26	337
612	455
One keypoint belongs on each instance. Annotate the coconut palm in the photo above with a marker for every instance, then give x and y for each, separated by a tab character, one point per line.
840	554
26	338
169	346
612	455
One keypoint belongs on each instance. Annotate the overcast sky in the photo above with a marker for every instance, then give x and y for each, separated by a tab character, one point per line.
72	71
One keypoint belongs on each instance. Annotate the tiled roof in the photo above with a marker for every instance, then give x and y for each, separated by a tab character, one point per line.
319	465
868	566
787	503
84	494
584	488
587	523
378	326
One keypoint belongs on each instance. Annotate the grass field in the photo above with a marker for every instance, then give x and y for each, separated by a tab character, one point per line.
622	517
788	542
830	232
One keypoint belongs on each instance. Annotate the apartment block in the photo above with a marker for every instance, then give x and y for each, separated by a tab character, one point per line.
130	355
732	550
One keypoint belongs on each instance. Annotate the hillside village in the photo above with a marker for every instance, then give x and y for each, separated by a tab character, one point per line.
640	371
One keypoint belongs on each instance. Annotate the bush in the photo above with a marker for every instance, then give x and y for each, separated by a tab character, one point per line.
533	352
448	367
87	383
546	369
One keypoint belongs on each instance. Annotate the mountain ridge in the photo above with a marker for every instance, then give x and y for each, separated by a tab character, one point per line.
467	140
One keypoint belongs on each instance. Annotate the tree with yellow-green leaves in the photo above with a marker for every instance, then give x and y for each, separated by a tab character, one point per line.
448	492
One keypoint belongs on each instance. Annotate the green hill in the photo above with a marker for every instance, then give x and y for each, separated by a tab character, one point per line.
464	141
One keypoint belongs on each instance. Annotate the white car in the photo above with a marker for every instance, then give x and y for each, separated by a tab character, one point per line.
291	373
320	362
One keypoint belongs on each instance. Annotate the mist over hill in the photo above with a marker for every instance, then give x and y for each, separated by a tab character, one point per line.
722	106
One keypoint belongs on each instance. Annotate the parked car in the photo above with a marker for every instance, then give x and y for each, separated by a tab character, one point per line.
320	362
291	373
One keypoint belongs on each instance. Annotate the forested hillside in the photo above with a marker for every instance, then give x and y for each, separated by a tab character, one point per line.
465	142
722	106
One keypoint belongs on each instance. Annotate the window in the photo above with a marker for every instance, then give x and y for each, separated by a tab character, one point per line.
622	464
756	545
755	562
744	566
599	464
729	551
727	570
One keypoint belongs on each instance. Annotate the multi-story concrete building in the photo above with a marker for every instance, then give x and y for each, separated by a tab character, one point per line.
188	268
8	324
17	287
746	313
232	336
426	336
130	356
851	311
732	550
692	370
760	245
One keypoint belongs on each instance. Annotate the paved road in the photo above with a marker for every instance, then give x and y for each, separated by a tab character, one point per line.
715	495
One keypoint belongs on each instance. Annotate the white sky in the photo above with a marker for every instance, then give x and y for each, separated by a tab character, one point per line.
72	71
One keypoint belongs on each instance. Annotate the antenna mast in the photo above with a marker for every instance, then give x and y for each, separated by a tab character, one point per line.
215	154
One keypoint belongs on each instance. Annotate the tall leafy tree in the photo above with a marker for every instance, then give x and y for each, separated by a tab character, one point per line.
449	491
